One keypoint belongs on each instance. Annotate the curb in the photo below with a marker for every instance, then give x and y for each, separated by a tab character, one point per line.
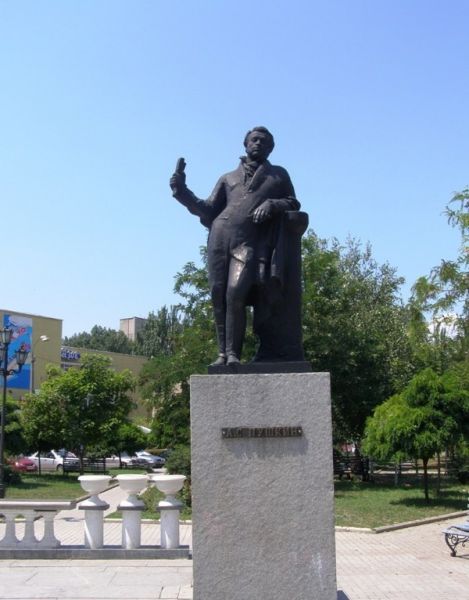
347	529
435	519
405	525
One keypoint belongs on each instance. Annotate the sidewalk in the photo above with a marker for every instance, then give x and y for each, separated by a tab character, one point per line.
409	564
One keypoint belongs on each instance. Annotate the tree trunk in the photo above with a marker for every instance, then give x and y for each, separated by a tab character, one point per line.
425	479
396	473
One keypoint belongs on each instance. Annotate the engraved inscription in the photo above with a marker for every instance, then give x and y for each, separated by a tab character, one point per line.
262	432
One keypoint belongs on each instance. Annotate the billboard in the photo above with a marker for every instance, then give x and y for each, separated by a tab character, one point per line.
22	328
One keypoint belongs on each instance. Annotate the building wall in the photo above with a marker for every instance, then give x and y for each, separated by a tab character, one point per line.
40	353
132	326
30	328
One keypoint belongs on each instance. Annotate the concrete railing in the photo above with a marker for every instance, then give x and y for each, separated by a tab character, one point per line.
93	508
31	510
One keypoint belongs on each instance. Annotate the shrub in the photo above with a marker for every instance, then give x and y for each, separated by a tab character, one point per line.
179	461
10	475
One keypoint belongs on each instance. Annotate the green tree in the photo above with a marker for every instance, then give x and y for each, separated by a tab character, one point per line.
78	408
429	415
440	301
159	333
164	379
129	438
43	417
101	338
354	326
14	440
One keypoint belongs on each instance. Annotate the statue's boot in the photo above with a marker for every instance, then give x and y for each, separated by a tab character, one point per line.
220	361
232	359
221	337
235	329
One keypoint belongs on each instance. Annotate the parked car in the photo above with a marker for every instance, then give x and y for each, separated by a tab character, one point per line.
113	461
53	460
24	465
139	459
146	459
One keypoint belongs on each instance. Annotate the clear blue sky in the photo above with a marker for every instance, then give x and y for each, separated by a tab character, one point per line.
367	100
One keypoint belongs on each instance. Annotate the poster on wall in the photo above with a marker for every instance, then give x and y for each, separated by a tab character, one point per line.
22	328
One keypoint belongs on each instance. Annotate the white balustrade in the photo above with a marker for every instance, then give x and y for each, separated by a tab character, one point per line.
29	511
21	516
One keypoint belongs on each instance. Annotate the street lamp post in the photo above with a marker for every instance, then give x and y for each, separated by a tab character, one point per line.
21	356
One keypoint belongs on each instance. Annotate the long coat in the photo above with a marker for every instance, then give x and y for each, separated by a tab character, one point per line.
228	215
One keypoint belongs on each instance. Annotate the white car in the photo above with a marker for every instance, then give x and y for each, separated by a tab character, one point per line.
53	460
114	462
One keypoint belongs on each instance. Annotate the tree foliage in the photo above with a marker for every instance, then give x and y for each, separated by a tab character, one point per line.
101	338
159	333
164	380
156	337
80	408
354	326
14	441
129	438
440	301
428	416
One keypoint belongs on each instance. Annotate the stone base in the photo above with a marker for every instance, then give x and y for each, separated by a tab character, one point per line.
261	367
262	487
108	552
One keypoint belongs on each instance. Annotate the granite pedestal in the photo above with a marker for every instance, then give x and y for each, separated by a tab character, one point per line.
262	487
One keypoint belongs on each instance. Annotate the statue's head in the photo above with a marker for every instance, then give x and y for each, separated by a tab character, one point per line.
259	136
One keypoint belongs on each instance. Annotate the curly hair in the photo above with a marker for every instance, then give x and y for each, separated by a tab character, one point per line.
262	130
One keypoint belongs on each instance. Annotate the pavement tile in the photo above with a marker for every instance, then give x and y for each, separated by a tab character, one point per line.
185	593
169	592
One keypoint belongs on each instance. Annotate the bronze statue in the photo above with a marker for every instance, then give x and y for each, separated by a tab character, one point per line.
253	252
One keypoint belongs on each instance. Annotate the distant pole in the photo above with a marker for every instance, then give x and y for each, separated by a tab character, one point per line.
42	338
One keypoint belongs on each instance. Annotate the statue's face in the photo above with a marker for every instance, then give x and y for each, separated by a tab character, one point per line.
258	146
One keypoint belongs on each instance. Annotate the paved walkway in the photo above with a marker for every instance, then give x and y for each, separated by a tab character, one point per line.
409	564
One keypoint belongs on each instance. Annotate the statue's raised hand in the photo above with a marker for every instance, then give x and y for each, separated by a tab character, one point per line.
177	183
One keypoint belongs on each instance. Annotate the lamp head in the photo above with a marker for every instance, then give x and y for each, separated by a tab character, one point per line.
5	335
21	356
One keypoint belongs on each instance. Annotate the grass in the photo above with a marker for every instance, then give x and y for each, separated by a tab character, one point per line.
54	486
151	497
357	503
361	504
50	486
